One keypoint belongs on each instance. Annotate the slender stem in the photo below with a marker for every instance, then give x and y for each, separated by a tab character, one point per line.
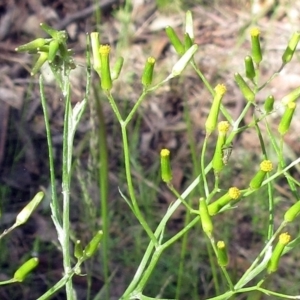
159	250
204	181
157	233
66	179
136	208
56	210
103	184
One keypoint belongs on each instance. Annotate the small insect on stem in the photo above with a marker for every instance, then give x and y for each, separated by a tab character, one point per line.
226	152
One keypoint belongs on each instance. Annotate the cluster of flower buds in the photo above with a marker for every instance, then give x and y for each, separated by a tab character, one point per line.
54	49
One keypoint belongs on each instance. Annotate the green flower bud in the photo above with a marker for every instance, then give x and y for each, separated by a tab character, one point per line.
148	72
33	45
206	222
50	30
175	41
249	67
165	166
255	45
188	43
233	194
269	104
183	61
245	89
93	245
286	119
39	63
189	25
25	269
292	212
212	119
217	161
291	48
284	239
78	250
265	167
26	212
291	97
53	49
95	50
222	254
106	82
116	70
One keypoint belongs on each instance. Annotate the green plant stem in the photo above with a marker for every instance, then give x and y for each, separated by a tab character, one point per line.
66	180
157	233
123	125
270	190
103	184
136	208
54	202
159	250
202	168
242	281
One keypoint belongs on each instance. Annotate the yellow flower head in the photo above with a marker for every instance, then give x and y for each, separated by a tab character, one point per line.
284	238
221	244
104	49
255	31
291	105
266	166
223	126
164	152
220	89
234	193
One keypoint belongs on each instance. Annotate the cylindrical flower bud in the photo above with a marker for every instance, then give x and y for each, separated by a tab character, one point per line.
116	70
265	167
183	61
26	212
245	89
78	250
93	245
212	119
291	48
269	104
286	119
25	269
106	82
284	239
53	48
38	64
95	50
206	221
255	45
55	34
148	72
233	194
292	212
189	27
217	161
291	97
165	165
249	67
33	45
222	254
175	41
188	42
